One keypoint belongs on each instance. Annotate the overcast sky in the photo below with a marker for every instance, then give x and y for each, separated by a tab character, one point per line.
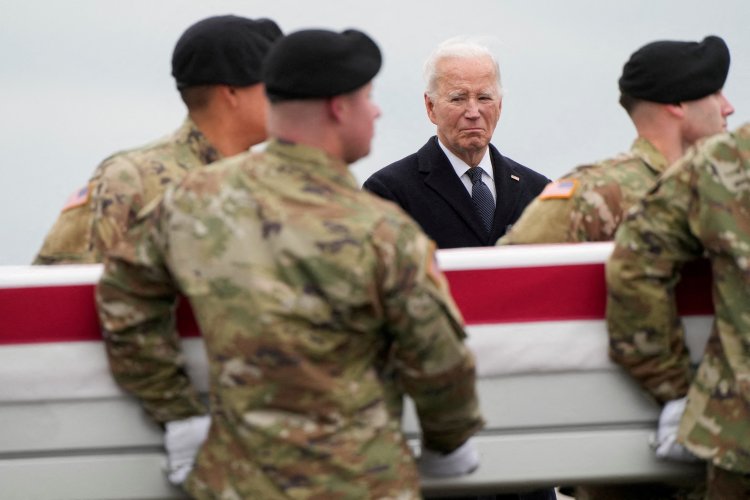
82	79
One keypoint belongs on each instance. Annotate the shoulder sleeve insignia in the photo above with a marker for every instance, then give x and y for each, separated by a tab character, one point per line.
559	190
78	198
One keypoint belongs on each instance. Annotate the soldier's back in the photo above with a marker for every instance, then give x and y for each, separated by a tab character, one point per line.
281	254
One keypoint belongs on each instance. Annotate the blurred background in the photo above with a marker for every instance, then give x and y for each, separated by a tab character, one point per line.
82	79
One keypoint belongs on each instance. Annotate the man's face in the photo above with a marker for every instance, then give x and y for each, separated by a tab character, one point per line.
466	105
706	116
359	126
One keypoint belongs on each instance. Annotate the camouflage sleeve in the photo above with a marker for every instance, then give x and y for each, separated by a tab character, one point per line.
598	213
645	332
434	366
116	199
586	212
136	299
69	239
543	221
722	221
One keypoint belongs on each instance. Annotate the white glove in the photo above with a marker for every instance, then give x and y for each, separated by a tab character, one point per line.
665	443
462	460
182	440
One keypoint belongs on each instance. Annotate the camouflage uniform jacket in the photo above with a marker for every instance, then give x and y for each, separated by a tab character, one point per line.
124	183
701	207
589	203
303	286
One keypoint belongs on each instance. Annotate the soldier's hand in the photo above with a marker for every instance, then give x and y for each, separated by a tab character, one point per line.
182	440
462	460
664	442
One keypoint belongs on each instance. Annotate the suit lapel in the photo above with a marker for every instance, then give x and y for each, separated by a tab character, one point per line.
441	178
508	189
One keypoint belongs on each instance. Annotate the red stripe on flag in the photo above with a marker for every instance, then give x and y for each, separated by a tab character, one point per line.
186	324
498	295
62	314
48	314
525	294
557	293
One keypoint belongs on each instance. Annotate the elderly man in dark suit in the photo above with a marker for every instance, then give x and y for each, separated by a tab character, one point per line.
458	186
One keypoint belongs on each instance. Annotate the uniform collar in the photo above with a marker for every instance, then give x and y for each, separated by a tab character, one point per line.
313	160
651	156
189	134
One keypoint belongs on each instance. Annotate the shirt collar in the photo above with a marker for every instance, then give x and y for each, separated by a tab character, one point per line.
461	167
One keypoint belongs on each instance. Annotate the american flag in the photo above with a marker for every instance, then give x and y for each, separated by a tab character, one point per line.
77	198
559	189
527	309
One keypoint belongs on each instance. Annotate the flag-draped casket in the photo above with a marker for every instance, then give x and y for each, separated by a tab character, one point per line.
558	410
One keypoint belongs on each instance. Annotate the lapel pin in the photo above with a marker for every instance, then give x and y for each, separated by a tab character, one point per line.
515	178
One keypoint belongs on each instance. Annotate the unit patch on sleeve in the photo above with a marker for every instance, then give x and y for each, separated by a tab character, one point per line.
78	198
559	190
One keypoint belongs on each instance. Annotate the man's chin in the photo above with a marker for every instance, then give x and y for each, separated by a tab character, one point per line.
474	144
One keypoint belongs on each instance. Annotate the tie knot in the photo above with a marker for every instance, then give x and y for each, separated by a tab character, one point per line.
475	173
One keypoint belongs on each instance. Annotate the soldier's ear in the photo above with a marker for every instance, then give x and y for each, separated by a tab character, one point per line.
676	110
228	94
336	107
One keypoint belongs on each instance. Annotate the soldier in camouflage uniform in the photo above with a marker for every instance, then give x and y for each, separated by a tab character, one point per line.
216	64
672	92
305	288
700	207
589	203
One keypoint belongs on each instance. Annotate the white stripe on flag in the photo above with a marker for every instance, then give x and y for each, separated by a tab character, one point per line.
81	370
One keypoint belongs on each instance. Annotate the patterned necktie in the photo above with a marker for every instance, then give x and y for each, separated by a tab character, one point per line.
482	198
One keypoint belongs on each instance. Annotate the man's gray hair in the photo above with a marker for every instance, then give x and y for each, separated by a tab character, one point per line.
460	47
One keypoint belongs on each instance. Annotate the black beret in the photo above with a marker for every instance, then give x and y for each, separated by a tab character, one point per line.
223	49
316	63
670	72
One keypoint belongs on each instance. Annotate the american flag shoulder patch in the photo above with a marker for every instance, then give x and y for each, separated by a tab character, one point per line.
559	190
78	198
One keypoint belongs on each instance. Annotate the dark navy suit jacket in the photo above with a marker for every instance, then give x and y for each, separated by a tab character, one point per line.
426	186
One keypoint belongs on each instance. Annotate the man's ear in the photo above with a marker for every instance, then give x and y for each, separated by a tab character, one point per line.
336	107
676	110
430	107
228	94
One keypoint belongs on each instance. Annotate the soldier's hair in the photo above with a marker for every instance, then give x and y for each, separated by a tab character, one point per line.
460	47
629	102
196	97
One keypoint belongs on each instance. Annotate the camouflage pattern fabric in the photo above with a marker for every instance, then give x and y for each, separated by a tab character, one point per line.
590	208
700	207
595	202
120	187
69	239
305	289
